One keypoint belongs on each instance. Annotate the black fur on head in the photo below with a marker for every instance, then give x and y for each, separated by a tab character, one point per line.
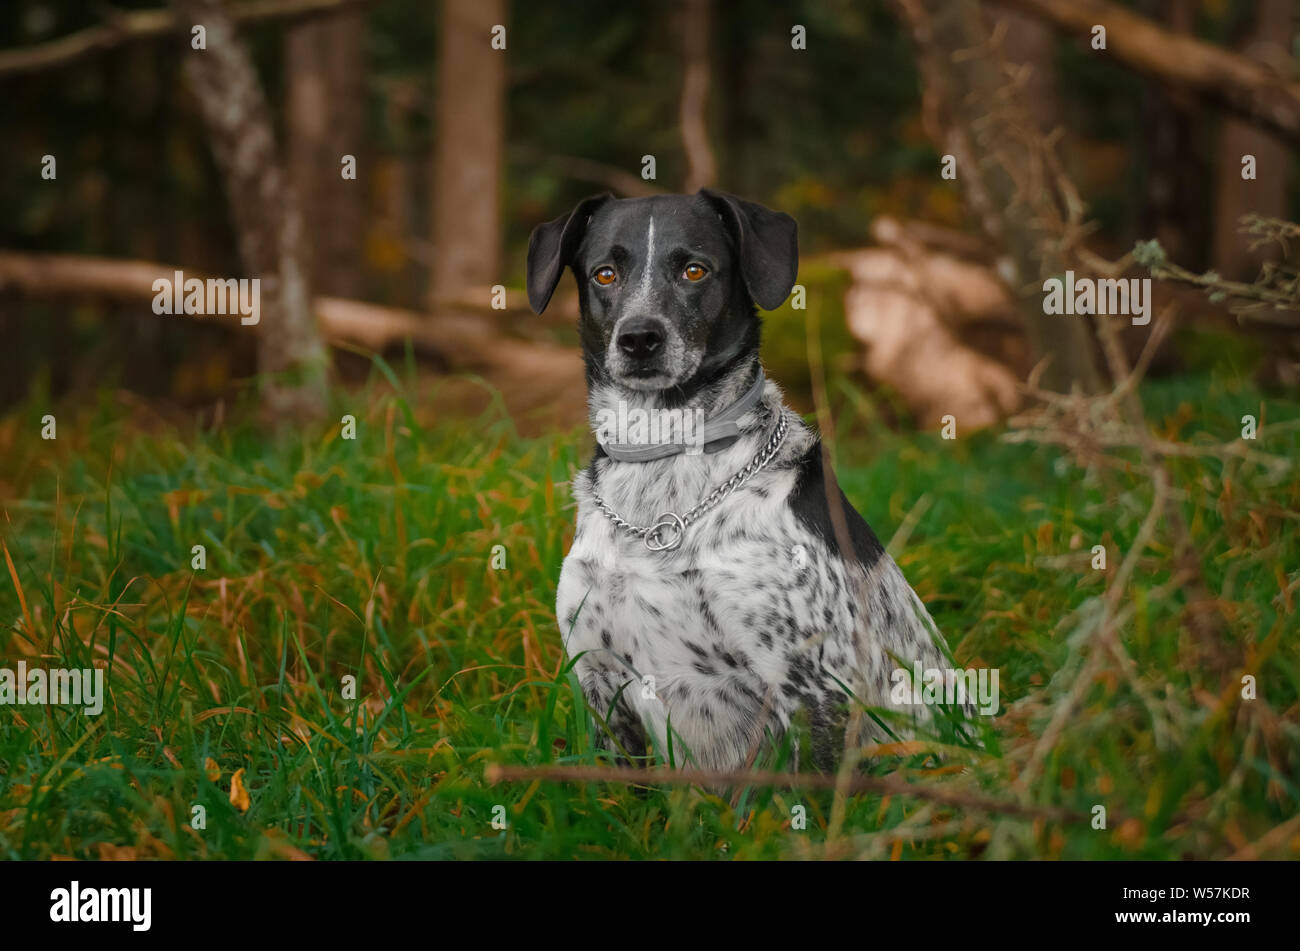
667	285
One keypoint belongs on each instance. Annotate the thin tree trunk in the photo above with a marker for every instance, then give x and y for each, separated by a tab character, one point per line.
1268	41
468	154
325	113
701	169
736	63
291	357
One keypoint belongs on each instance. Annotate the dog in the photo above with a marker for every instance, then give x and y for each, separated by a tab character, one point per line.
719	586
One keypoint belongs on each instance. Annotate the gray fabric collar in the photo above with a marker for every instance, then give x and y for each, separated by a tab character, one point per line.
718	433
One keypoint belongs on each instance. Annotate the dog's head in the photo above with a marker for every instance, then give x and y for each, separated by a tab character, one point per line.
666	285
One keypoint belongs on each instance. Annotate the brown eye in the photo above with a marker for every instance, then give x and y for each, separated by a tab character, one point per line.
694	272
604	276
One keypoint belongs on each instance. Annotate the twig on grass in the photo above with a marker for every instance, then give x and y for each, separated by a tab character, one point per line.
885	785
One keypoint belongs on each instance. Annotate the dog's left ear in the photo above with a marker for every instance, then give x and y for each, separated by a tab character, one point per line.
551	246
767	242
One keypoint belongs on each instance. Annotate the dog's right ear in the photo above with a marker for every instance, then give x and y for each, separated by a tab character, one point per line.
551	246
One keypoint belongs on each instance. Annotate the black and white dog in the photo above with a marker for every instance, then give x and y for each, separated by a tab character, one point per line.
717	585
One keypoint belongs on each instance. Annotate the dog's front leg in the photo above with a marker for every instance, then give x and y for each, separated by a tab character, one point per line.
619	729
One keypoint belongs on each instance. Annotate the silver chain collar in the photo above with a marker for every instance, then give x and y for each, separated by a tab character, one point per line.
675	525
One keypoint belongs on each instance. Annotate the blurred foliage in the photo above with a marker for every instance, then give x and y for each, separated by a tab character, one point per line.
831	134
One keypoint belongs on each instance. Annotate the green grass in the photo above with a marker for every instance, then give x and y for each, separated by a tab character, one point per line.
371	558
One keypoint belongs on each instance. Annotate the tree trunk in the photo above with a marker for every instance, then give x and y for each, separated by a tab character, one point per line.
326	96
701	169
1171	121
468	153
1032	44
1007	174
1269	41
292	360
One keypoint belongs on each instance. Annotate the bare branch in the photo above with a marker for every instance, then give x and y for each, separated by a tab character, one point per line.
886	785
138	25
1274	296
1237	83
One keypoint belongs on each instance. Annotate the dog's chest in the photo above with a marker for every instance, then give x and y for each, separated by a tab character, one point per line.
747	620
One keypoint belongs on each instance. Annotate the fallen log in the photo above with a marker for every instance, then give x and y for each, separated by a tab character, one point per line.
461	341
913	314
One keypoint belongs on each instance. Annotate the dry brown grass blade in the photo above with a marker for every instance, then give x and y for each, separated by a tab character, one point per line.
22	598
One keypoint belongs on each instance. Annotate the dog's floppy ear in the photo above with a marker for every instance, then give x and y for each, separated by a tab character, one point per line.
767	242
551	246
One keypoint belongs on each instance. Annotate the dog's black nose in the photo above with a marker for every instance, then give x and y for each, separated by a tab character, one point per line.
640	338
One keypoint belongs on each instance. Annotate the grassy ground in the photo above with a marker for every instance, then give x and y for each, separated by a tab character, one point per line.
328	557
